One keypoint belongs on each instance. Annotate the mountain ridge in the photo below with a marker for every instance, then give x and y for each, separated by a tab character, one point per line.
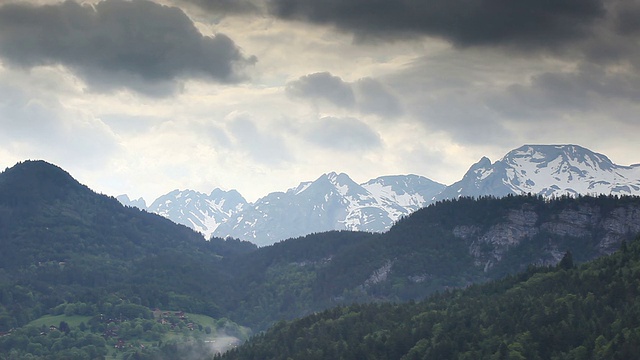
335	202
548	170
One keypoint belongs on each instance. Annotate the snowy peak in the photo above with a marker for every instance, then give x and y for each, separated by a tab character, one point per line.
199	211
231	196
548	170
332	187
410	192
339	183
331	202
483	164
565	169
316	206
563	157
401	184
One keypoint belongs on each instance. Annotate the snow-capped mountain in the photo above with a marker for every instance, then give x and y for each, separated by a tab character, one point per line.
335	202
403	194
201	212
331	202
548	170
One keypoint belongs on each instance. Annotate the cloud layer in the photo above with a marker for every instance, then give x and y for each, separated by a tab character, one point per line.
138	45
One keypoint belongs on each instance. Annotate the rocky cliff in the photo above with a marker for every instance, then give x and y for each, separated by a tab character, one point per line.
605	227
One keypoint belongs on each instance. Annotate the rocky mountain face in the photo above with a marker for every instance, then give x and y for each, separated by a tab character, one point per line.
336	202
608	228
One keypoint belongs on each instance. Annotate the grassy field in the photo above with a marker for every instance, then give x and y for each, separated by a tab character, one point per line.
55	320
203	320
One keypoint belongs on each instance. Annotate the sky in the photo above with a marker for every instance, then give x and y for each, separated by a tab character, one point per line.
146	96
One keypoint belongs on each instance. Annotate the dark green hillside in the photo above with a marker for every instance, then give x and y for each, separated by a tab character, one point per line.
562	312
458	242
46	215
281	281
62	242
451	244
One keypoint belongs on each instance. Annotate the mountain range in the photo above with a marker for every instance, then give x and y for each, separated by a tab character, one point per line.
64	244
331	202
335	202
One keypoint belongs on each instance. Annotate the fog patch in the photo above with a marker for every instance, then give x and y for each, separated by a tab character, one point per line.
222	343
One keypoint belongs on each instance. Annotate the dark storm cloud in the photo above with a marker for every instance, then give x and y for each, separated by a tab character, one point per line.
224	7
323	86
134	44
521	23
628	17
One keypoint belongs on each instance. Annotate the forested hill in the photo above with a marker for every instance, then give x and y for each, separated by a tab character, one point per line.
46	215
455	243
61	242
450	244
562	312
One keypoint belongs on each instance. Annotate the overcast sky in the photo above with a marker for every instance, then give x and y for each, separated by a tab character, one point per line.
142	97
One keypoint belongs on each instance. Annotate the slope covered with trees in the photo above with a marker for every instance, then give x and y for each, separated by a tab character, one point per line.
61	242
562	312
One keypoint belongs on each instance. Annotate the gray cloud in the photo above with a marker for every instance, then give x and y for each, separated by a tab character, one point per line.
589	89
263	147
627	15
130	124
464	118
137	44
42	128
524	24
375	98
322	86
367	95
344	134
446	95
